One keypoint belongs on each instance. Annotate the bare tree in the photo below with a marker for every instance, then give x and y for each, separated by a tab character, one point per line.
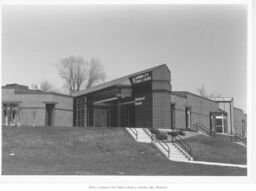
96	73
45	86
35	87
73	71
78	73
215	94
202	92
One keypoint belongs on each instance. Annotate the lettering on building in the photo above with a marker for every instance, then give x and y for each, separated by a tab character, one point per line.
141	78
139	101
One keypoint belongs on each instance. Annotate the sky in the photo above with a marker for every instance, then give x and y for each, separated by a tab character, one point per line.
201	44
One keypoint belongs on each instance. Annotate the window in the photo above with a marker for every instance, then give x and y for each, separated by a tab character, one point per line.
79	111
10	114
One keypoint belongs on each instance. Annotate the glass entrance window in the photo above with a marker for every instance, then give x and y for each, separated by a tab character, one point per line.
10	114
221	123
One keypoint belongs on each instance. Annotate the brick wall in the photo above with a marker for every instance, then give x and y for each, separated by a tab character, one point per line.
28	117
238	118
32	107
200	110
180	122
161	88
161	110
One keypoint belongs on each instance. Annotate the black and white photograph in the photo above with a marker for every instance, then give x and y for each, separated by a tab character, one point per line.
124	89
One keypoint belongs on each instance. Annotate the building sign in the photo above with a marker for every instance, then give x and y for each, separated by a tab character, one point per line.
141	78
139	101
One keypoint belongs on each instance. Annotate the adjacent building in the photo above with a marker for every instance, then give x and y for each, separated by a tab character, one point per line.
22	106
188	110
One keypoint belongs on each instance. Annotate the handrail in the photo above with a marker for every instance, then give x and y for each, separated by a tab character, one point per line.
183	144
153	138
239	138
148	134
134	131
203	128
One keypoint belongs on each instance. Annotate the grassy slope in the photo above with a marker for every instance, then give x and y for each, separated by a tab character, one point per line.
90	151
218	149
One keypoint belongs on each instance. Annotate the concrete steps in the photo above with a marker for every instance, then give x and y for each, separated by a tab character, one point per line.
139	134
175	153
143	136
171	150
130	131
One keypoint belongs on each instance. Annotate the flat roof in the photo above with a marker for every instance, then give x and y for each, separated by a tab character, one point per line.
14	86
119	81
39	92
21	89
221	99
183	94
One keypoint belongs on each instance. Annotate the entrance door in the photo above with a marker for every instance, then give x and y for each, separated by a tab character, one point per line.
220	123
49	114
188	117
127	115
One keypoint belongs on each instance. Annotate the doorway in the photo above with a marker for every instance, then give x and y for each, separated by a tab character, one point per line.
49	114
172	116
218	122
188	117
127	115
211	121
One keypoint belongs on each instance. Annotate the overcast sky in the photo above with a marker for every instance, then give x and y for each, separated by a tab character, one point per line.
201	44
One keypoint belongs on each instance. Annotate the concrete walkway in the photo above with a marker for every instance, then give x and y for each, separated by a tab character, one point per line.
217	164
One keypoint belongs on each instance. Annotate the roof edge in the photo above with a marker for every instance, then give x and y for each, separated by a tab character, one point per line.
193	94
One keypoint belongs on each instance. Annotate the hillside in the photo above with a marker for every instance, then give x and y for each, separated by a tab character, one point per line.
90	151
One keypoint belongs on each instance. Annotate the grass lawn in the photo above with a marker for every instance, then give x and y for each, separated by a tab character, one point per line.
217	149
90	151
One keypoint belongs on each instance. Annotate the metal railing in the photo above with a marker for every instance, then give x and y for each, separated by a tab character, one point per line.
134	131
183	144
200	127
239	138
162	144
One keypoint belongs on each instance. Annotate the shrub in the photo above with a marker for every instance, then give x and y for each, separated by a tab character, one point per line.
181	133
155	131
175	133
161	136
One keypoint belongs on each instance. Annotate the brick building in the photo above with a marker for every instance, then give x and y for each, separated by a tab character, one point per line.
188	109
25	107
142	99
136	100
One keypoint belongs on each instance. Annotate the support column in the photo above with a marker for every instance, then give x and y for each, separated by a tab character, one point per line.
118	123
94	117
